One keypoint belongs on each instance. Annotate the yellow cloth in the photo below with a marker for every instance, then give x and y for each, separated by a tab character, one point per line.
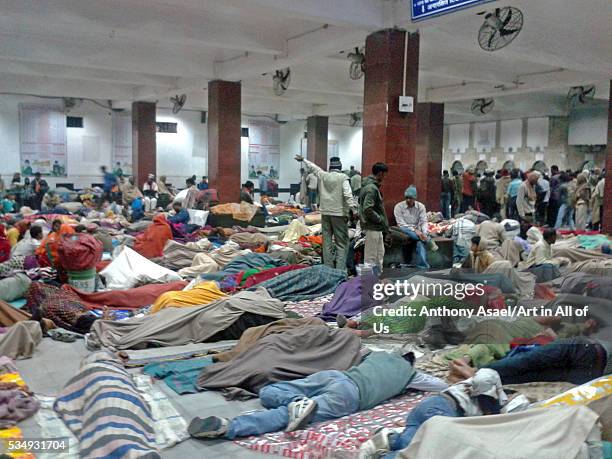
202	293
12	234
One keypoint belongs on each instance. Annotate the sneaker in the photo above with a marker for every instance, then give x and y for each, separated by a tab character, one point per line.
210	427
300	413
378	445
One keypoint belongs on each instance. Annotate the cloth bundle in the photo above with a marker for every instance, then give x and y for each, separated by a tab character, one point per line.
79	252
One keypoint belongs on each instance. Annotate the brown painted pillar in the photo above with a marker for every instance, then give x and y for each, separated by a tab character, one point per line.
430	138
607	206
224	139
388	135
317	128
144	149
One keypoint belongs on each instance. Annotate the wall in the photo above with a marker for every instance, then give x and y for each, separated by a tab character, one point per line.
179	155
527	140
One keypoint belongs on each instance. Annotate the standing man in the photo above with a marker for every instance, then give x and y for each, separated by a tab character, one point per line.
469	190
262	182
457	191
110	181
486	194
356	184
411	218
335	200
447	195
501	193
543	198
526	198
553	201
312	185
39	188
372	215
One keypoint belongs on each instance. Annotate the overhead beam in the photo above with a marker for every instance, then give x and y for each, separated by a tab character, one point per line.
530	83
367	14
16	67
44	86
107	23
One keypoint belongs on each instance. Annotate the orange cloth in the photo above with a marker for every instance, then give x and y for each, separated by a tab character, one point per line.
150	244
47	251
201	294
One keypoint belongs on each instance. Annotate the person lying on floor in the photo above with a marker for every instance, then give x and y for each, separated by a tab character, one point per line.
490	340
479	395
330	394
575	360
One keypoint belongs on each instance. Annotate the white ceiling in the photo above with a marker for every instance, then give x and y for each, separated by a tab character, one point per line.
126	50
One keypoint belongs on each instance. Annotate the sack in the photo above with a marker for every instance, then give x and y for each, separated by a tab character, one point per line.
80	252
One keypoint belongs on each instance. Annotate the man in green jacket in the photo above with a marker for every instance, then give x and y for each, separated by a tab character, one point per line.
372	214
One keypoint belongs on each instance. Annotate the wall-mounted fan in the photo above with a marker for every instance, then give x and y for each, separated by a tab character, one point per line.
357	69
178	102
355	119
281	81
71	103
580	94
500	27
482	106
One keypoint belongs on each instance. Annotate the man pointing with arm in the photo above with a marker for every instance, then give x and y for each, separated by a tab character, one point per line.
335	201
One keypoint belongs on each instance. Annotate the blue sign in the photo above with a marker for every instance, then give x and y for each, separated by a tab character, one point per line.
423	9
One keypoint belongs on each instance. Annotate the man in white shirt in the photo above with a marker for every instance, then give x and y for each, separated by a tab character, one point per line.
335	201
411	218
312	185
149	190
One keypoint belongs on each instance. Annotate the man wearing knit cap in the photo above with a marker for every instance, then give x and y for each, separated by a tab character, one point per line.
411	218
335	201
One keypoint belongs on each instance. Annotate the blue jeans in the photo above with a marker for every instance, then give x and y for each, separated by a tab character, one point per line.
335	393
572	360
565	216
420	251
445	202
437	405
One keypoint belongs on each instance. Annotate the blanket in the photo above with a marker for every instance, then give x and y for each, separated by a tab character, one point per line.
130	269
286	356
103	409
176	326
150	244
350	298
202	293
304	284
133	298
339	437
20	340
543	434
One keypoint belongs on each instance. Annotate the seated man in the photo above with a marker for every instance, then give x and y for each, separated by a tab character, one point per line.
479	257
492	234
540	261
411	218
325	395
180	215
575	360
479	395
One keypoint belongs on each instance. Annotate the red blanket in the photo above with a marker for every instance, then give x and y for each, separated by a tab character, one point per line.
133	298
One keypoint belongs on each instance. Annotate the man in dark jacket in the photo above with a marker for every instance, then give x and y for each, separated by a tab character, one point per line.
372	214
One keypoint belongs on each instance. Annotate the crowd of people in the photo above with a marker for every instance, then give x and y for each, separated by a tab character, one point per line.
560	199
168	282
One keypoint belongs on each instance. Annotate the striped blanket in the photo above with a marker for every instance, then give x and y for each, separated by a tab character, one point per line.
104	410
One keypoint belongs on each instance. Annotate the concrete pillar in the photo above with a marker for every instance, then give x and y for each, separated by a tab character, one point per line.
317	128
388	135
430	138
224	139
144	149
607	206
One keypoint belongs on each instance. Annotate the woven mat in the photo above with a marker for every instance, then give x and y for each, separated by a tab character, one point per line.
342	437
308	308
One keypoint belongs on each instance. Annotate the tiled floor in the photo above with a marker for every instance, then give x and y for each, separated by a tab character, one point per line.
54	363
